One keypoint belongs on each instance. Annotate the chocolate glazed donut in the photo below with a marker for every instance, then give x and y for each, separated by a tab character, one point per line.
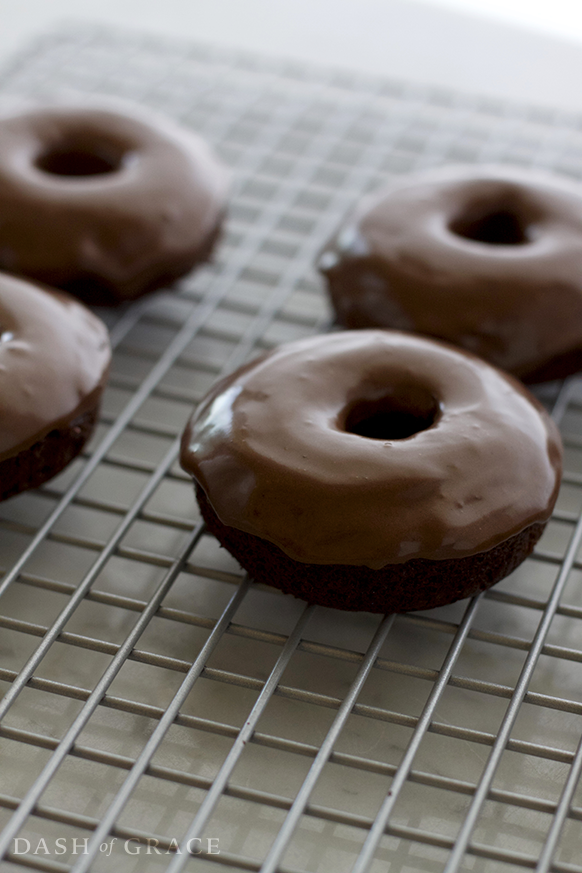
374	470
54	361
488	258
105	201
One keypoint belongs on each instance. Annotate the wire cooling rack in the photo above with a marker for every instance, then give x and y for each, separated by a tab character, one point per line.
155	700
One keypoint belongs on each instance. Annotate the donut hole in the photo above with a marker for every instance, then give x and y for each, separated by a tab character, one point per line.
500	227
74	159
392	417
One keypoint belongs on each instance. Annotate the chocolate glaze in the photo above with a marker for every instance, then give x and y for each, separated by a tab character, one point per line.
271	448
54	360
488	258
105	198
415	584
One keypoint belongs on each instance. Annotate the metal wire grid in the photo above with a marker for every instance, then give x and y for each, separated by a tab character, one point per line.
153	694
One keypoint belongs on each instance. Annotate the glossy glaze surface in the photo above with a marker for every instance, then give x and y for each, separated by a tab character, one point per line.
488	258
272	447
54	360
105	192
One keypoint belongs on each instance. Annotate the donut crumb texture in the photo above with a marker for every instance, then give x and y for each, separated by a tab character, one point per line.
416	584
32	467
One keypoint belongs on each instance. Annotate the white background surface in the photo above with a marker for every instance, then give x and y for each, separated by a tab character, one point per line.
495	47
558	17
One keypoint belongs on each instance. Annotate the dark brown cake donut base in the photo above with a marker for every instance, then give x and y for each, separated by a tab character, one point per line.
416	584
559	367
47	457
